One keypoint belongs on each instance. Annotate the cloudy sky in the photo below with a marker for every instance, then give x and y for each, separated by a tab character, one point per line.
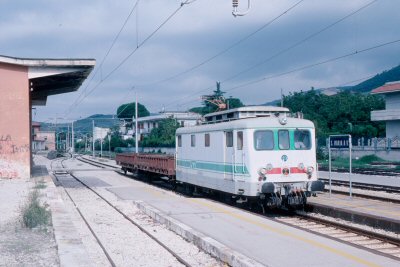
280	44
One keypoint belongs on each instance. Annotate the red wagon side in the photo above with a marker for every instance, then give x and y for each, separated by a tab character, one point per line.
155	163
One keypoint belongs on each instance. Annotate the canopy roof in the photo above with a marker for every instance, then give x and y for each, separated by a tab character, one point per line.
52	76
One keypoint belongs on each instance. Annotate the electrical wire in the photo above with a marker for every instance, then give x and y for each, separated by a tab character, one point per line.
283	51
314	64
309	66
128	56
231	46
108	51
226	49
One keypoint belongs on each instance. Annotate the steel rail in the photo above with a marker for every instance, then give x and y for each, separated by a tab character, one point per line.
180	259
341	226
112	263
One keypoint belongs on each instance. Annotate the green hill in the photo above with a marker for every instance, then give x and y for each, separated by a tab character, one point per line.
376	81
85	125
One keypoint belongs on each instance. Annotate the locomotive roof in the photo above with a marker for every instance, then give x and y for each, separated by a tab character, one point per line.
243	113
249	123
250	108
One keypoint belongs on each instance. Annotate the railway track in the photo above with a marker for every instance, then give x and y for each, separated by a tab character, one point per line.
368	189
363	186
377	243
365	239
368	171
389	189
64	178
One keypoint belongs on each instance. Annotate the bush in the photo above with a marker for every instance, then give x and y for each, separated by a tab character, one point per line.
40	185
370	158
33	213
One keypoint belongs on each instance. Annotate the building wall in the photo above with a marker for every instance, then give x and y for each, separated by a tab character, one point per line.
49	137
393	129
15	135
100	133
392	100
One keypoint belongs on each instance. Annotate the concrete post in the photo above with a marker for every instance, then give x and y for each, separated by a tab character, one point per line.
72	139
93	137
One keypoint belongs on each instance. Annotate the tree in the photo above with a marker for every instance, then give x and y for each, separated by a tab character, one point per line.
343	113
234	103
128	111
163	135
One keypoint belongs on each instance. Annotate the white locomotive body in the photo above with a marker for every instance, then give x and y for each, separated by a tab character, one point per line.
252	154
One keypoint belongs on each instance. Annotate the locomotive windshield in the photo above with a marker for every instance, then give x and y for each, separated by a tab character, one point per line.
302	139
283	139
299	139
264	140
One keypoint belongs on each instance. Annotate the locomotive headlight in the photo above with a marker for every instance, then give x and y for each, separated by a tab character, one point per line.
262	172
283	120
269	167
301	166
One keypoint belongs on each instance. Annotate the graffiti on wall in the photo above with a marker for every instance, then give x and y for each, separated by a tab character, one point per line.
9	157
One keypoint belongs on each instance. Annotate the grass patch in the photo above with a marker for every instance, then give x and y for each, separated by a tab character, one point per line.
368	159
35	214
40	184
363	162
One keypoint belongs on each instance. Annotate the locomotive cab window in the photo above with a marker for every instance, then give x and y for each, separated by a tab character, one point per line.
192	140
206	140
283	139
239	140
264	140
302	139
229	139
179	140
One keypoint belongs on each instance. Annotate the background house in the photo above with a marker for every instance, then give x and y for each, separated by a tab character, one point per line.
391	115
146	124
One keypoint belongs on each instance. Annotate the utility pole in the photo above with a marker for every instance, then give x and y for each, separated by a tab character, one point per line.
93	137
56	133
109	145
72	137
101	146
67	140
86	142
136	125
281	97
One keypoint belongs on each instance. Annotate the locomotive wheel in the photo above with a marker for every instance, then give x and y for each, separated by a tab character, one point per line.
189	190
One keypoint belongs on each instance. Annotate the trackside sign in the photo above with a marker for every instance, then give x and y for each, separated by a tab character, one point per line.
342	141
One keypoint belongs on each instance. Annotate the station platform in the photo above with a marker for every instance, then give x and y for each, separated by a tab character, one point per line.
258	238
393	181
374	213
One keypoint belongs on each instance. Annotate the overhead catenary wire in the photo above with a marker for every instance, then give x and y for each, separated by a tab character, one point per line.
314	64
283	51
130	54
308	66
231	46
135	6
265	25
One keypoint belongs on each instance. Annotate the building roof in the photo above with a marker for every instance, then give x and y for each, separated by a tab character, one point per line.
52	76
175	115
387	88
250	109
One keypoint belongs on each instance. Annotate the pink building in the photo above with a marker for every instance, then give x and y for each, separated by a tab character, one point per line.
42	140
26	83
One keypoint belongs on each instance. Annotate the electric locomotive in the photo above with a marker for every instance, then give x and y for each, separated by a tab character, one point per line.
255	154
